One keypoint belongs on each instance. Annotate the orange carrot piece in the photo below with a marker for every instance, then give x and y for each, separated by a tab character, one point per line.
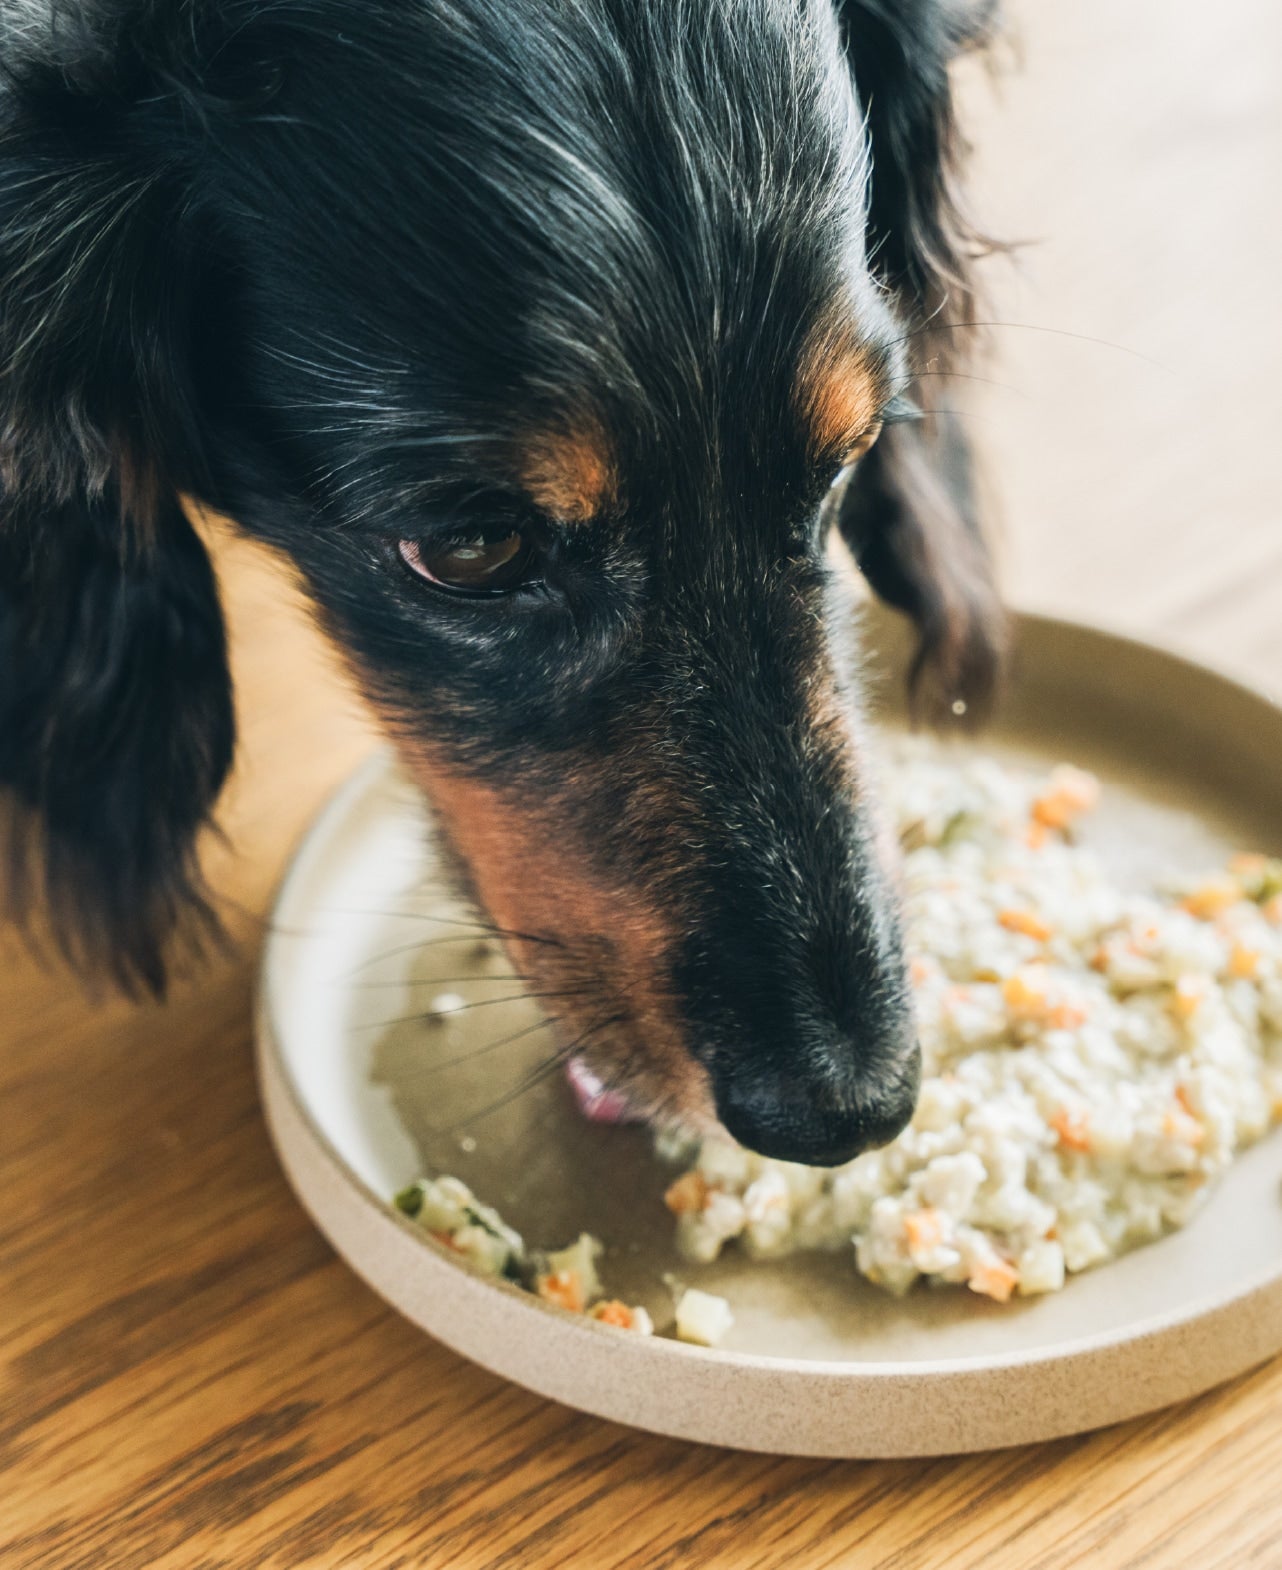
688	1193
1212	899
1072	1131
1190	994
1023	997
1177	1124
1243	962
612	1312
1024	921
924	1229
997	1281
1072	792
563	1288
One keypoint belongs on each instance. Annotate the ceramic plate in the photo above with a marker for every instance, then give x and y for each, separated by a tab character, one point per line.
362	1096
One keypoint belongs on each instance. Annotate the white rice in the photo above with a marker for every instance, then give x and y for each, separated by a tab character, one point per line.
1094	1057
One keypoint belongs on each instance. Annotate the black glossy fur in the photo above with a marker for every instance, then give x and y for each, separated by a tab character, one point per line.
324	264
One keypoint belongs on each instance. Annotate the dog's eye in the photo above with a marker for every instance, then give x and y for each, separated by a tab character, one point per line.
479	565
855	453
850	463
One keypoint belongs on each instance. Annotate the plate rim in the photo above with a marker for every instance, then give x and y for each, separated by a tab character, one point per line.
276	1078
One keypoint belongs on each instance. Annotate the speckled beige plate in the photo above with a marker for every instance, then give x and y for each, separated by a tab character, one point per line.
362	1096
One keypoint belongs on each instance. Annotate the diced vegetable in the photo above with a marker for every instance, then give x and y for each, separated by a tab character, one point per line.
1190	993
1041	1268
409	1201
611	1312
1023	995
1026	922
564	1288
996	1280
1072	1130
579	1261
1071	793
1260	877
924	1230
702	1317
1244	962
1212	899
688	1193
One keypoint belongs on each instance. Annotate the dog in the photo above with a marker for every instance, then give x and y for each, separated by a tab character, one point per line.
562	346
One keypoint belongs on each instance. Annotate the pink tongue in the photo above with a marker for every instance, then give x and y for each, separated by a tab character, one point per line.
595	1102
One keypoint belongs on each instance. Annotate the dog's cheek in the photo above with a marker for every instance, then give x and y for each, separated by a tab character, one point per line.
595	948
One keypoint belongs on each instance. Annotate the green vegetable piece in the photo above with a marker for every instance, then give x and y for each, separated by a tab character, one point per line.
962	823
1265	883
410	1200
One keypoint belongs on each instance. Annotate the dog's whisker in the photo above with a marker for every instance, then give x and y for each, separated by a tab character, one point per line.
548	1021
424	1016
561	1056
414	948
479	924
409	915
437	981
462	1058
564	1054
970	376
1032	327
472	933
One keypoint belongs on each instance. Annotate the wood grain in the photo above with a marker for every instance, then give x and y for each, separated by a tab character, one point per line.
191	1380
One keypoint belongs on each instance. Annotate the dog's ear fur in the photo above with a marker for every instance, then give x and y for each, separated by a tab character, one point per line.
910	513
115	710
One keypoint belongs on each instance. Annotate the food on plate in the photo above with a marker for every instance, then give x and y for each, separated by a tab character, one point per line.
702	1317
447	1209
1094	1057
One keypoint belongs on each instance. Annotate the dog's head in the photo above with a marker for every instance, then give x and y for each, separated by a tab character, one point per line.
550	341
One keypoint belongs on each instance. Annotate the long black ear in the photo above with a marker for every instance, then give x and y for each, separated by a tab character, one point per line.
116	721
910	515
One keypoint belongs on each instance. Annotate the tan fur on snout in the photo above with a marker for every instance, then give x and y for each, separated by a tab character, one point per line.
599	950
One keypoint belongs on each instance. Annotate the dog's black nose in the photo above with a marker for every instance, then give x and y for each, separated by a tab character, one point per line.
791	1115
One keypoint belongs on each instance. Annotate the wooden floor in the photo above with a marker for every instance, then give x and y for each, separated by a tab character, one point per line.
191	1380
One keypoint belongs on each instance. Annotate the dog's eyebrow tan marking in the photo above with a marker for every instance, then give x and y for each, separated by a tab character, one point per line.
568	472
840	390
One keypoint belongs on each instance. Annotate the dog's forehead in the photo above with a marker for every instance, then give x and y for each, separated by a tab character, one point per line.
596	231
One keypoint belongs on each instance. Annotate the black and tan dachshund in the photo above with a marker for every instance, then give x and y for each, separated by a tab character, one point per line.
556	343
